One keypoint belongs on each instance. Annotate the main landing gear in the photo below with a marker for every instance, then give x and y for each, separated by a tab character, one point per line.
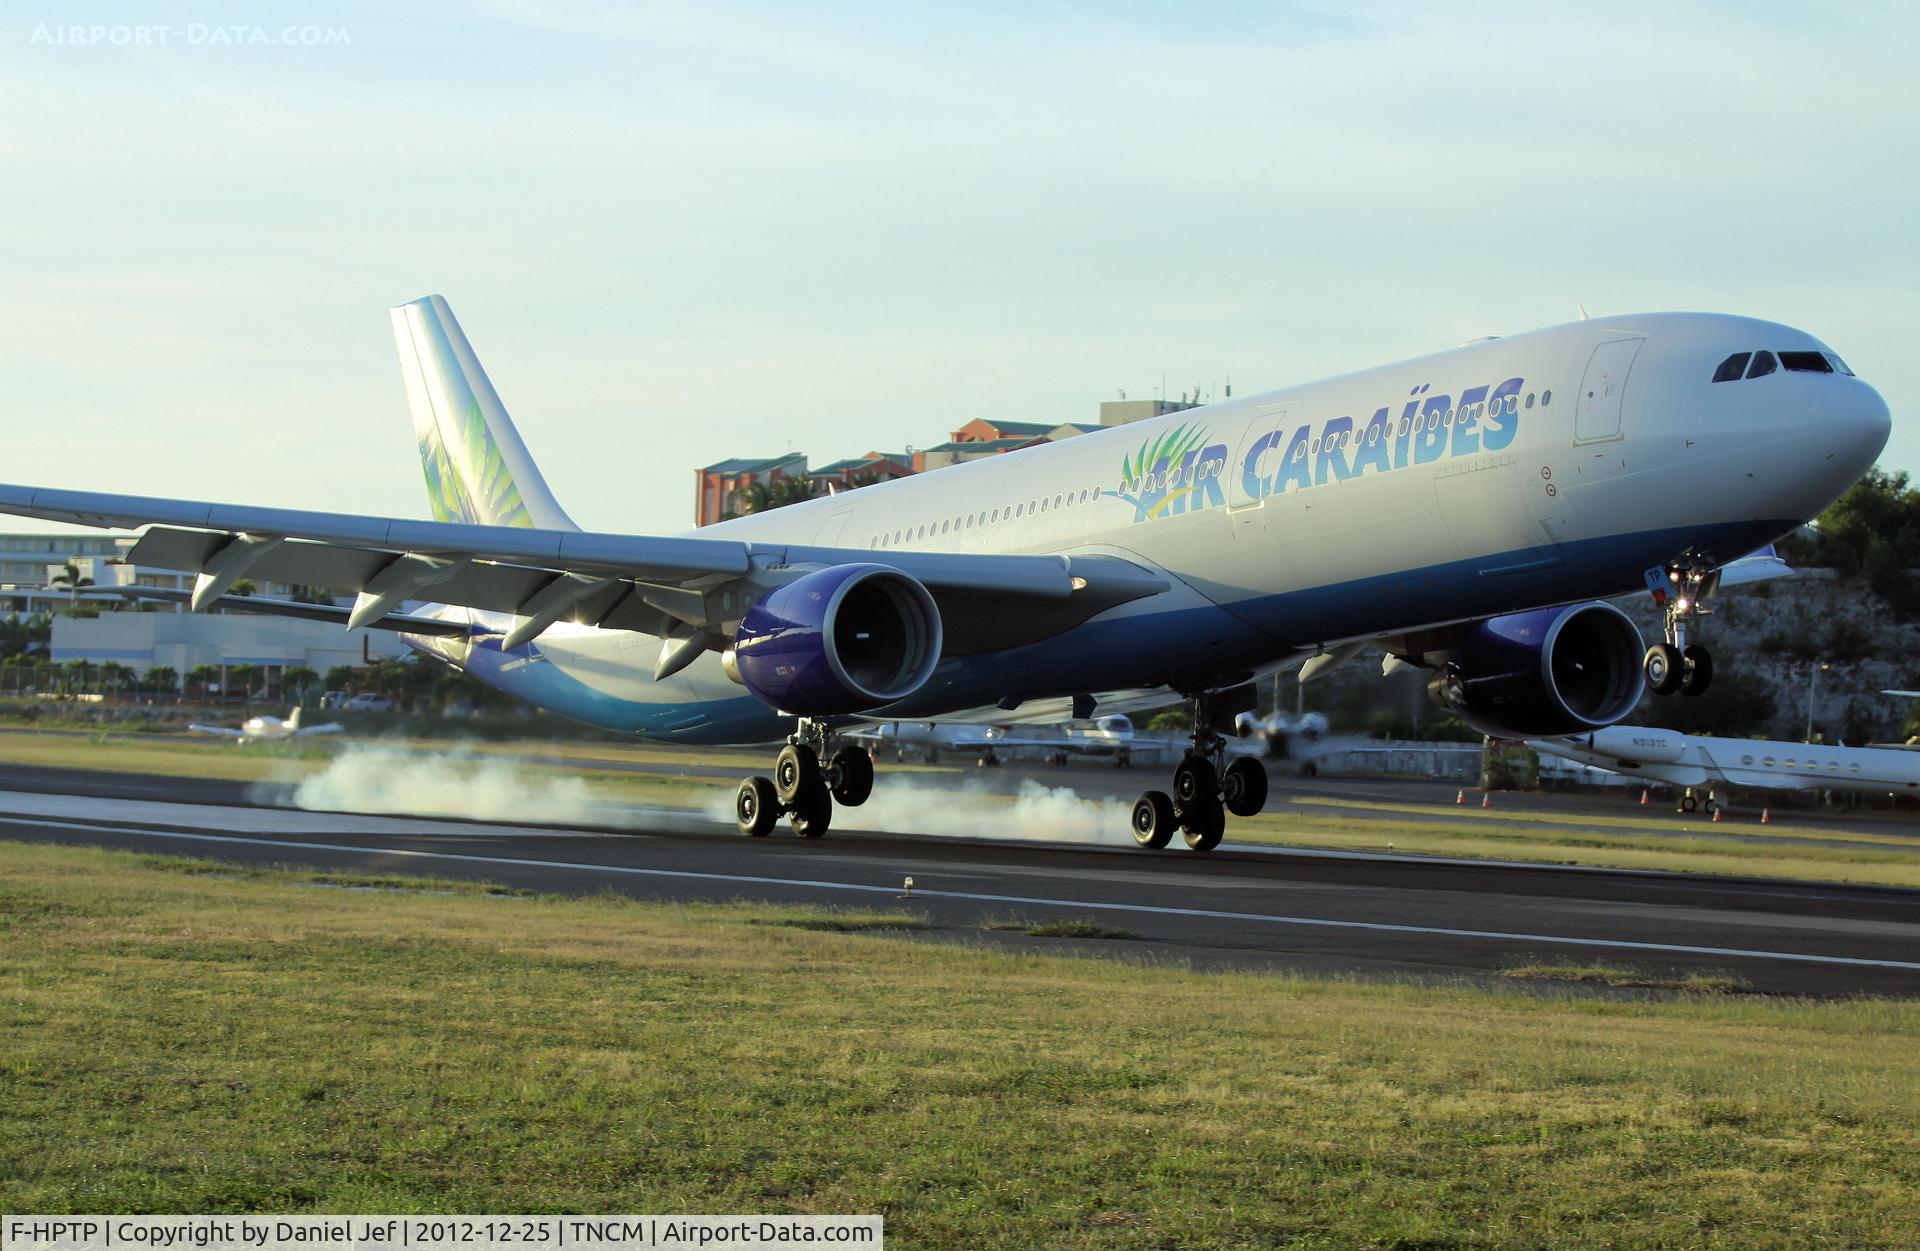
1205	789
1675	664
802	789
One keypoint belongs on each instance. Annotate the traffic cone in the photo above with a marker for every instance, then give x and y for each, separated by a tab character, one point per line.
1643	796
1486	799
1460	798
1716	814
1766	816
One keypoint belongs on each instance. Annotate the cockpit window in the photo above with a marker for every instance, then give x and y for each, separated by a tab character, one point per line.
1732	367
1839	364
1763	364
1806	362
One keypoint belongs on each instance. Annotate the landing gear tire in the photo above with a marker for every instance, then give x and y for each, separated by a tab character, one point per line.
755	807
1194	780
850	776
1204	822
796	771
1153	820
1688	803
1244	787
1696	664
1664	668
811	811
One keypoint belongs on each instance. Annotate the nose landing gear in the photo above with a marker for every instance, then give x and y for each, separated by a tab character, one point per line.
1203	791
1675	664
801	788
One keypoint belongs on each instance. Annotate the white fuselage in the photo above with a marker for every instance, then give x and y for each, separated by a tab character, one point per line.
1512	473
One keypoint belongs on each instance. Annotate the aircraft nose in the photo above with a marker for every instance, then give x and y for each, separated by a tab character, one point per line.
1841	440
1878	419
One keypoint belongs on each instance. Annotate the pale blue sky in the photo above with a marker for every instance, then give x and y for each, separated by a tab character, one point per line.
679	232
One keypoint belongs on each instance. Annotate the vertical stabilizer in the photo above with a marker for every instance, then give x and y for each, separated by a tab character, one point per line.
477	468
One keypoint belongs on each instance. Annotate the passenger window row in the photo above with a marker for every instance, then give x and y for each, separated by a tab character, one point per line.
986	517
1759	364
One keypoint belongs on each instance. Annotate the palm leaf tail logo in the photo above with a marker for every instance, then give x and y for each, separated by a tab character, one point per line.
1145	475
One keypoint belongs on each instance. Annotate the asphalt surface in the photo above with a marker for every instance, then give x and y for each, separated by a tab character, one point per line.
1264	908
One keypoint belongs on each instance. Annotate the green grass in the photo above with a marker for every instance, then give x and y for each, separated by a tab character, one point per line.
1696	982
1076	928
1745	850
836	921
215	1041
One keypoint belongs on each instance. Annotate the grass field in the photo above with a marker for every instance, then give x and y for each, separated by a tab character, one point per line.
1605	836
183	1036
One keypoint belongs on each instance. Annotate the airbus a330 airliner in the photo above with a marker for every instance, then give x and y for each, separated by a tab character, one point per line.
1465	511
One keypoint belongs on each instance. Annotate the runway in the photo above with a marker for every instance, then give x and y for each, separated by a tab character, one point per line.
1375	916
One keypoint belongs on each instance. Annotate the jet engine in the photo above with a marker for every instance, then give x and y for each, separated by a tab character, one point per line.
838	640
1548	672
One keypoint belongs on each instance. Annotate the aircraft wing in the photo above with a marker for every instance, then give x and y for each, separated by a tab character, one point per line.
331	727
406	622
220	730
670	587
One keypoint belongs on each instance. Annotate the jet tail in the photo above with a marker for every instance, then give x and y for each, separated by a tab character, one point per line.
477	468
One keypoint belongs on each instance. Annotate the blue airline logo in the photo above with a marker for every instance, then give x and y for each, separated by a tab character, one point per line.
1181	472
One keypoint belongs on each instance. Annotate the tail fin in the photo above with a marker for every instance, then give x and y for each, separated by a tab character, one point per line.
293	718
477	468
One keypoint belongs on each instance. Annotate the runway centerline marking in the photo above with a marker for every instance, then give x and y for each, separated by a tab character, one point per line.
1383	927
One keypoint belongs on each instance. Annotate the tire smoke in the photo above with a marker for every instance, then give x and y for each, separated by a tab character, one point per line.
908	805
465	784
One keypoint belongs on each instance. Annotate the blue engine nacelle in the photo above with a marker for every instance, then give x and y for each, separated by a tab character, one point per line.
845	639
1547	672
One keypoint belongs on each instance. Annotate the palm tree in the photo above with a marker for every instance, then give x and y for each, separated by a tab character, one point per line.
783	491
750	499
161	679
203	676
80	675
70	578
295	681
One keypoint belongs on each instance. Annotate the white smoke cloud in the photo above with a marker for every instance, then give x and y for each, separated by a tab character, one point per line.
477	786
368	778
910	805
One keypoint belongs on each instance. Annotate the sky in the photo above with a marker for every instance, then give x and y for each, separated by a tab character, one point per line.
677	233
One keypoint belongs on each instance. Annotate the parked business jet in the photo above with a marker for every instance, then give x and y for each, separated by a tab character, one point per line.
1110	737
1694	763
1464	511
271	728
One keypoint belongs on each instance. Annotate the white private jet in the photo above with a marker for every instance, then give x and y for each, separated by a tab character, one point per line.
1467	512
1109	736
269	728
1695	763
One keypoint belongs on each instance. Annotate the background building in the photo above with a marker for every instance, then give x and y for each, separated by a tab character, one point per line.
183	641
41	573
747	484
